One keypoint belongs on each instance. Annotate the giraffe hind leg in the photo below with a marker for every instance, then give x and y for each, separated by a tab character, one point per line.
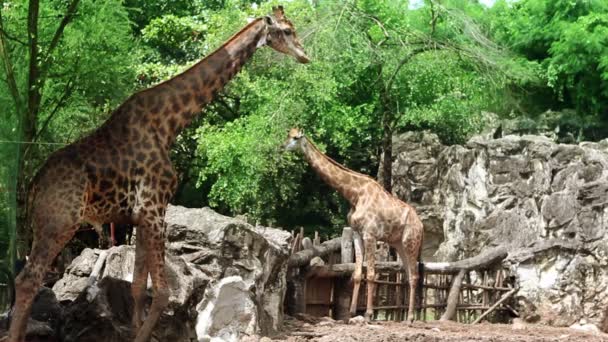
140	281
410	263
55	215
30	278
154	245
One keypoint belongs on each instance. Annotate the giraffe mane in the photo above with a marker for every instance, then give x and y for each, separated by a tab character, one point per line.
340	166
234	36
253	22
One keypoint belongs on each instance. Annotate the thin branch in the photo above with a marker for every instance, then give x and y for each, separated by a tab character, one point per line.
67	92
407	58
225	104
69	15
381	25
15	39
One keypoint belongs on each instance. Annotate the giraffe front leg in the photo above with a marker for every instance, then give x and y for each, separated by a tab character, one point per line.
358	274
154	245
140	282
370	248
409	261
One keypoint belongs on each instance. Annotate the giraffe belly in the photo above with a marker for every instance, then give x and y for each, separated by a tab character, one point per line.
111	206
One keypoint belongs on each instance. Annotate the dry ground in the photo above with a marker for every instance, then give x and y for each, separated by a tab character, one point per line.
328	331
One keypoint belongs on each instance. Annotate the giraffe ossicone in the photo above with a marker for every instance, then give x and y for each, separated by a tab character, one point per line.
122	173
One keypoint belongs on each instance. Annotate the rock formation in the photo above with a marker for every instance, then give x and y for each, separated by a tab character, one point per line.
227	281
518	191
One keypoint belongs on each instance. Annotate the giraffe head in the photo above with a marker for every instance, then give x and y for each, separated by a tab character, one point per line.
282	35
294	140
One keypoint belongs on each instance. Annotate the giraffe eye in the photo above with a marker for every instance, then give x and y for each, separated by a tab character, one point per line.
288	32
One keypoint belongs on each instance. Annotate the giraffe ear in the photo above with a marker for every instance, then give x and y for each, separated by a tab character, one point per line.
278	12
270	20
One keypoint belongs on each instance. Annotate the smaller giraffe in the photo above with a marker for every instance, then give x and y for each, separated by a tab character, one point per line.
375	214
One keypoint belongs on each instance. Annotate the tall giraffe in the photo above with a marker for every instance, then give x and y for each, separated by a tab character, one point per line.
375	214
122	172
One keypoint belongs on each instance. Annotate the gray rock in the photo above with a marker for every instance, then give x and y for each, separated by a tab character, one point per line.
227	311
516	190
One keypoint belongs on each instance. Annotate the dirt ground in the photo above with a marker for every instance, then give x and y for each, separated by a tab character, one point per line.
331	331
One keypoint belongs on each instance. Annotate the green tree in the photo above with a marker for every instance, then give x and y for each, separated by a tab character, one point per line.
76	67
375	64
568	41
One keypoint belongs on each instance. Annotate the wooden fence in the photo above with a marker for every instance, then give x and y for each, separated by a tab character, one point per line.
466	291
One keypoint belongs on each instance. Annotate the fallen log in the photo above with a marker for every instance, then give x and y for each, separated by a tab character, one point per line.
524	254
477	262
302	258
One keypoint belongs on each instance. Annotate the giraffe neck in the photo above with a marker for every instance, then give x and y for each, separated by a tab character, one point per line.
347	182
172	105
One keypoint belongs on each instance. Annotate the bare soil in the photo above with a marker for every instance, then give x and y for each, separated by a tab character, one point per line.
331	331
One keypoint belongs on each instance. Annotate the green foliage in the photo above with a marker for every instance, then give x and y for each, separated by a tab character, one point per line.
141	12
87	73
235	155
446	97
336	99
568	40
377	67
175	39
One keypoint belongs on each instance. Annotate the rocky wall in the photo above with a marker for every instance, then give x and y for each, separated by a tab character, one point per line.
516	191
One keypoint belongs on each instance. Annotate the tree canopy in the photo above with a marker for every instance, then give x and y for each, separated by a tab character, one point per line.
378	68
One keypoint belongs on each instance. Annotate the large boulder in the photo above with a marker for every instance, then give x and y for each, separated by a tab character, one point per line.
225	247
109	303
517	191
219	269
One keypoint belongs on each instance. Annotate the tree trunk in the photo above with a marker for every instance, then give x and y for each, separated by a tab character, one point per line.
387	137
387	151
27	122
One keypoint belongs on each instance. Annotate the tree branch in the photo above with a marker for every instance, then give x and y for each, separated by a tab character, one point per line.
69	15
381	25
434	17
33	85
15	39
223	103
407	58
8	68
67	92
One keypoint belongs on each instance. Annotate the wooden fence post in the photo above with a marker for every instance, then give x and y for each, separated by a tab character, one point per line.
343	289
450	309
